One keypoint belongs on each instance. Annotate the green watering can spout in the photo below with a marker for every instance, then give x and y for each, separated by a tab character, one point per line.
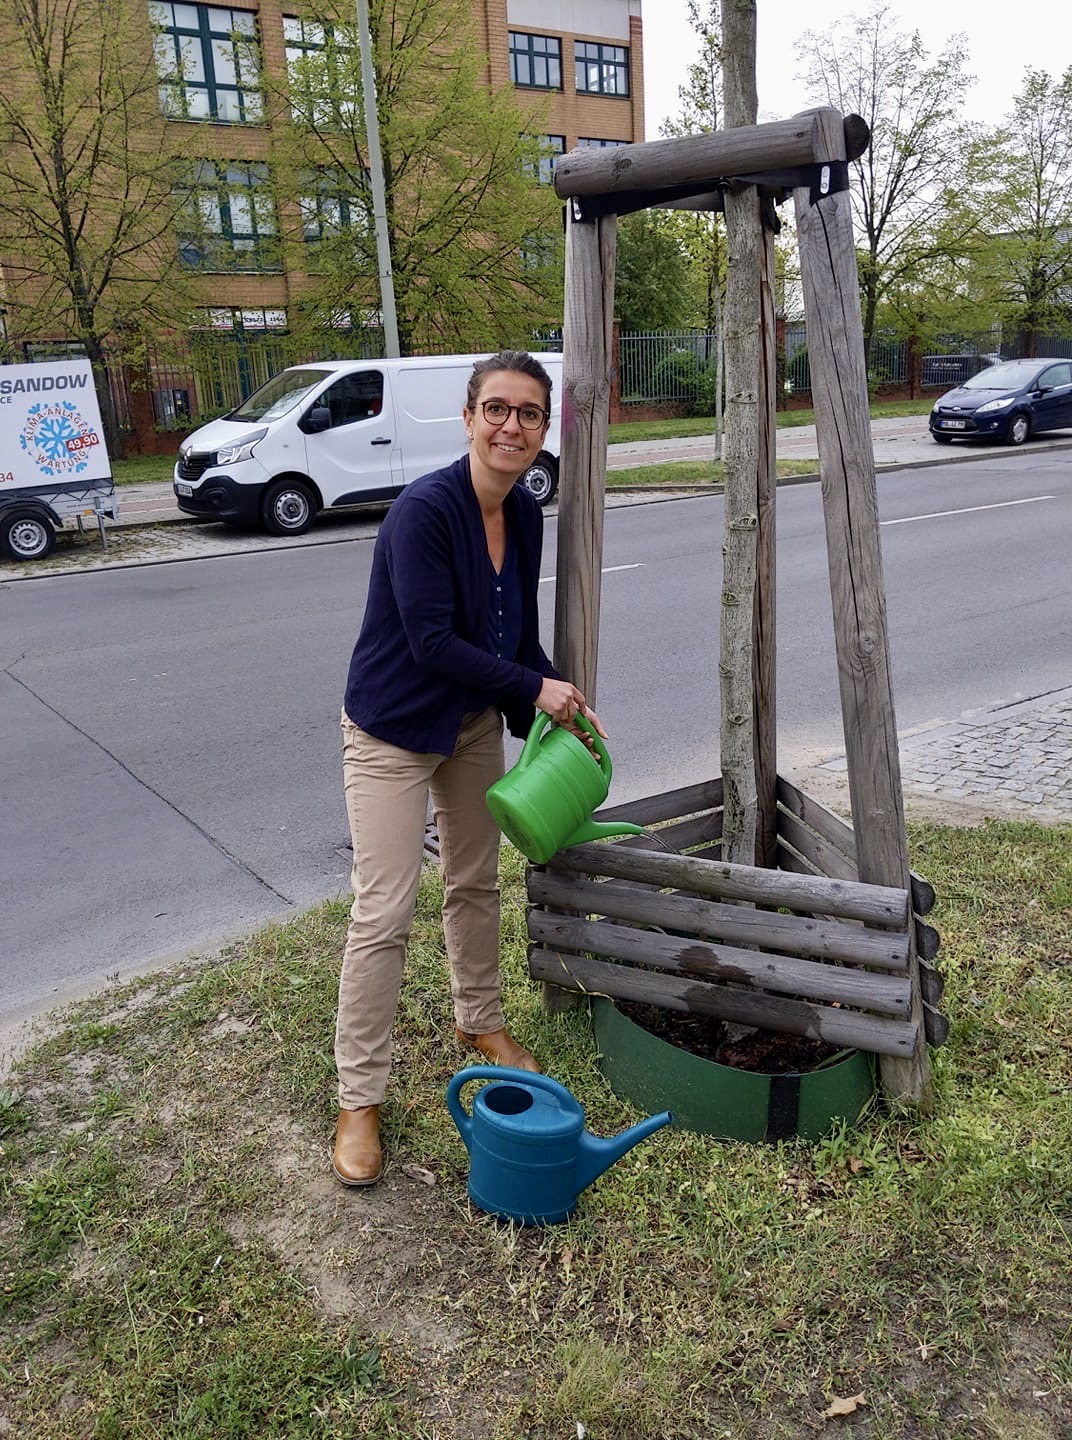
601	830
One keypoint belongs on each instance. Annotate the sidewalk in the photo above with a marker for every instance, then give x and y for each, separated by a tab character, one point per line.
899	442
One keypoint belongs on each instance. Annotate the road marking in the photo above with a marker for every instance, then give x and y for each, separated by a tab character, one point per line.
607	570
968	510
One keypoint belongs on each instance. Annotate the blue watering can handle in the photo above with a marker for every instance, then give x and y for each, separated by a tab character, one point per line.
464	1121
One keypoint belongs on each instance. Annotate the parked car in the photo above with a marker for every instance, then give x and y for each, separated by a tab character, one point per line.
1006	402
949	370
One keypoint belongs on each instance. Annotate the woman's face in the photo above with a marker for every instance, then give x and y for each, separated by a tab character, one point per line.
505	450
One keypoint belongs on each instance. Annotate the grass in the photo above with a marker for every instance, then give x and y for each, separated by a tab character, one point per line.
691	472
632	430
176	1262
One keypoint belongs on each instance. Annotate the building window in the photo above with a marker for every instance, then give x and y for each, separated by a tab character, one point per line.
328	210
321	73
601	69
583	144
550	148
208	63
229	219
535	61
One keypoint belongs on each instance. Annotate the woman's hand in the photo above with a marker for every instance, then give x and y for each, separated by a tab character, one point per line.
563	702
560	700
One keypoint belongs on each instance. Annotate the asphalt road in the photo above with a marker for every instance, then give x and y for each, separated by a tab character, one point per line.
170	763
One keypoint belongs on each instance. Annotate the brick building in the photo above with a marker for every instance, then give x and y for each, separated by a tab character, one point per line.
575	64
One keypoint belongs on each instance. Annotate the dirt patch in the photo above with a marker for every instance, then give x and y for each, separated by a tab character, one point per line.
761	1051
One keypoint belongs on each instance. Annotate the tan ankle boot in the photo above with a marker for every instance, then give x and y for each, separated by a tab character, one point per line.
500	1048
358	1159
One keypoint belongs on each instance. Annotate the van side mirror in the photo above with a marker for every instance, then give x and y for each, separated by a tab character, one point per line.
318	418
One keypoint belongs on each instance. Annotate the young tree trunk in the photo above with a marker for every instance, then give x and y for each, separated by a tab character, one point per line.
742	316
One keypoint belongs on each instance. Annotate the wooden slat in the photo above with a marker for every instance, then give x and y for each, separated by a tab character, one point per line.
844	1028
778	974
693	159
931	983
875	904
816	816
841	941
671	805
814	848
840	834
935	1026
928	940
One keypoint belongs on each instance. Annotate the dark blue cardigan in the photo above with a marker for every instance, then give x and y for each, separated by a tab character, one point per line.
420	656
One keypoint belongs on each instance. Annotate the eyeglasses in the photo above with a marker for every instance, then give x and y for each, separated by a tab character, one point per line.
529	417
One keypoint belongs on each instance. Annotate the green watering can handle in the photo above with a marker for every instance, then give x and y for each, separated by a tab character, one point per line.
532	743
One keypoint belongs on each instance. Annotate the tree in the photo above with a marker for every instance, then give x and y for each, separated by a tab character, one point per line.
475	239
903	197
1028	265
86	189
652	290
701	113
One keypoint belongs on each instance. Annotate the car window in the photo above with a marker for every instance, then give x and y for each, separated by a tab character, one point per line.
354	397
1009	375
1056	375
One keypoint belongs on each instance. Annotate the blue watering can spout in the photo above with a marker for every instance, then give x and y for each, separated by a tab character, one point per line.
595	1155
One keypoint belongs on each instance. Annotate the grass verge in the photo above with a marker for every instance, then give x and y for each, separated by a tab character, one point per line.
691	472
631	430
178	1263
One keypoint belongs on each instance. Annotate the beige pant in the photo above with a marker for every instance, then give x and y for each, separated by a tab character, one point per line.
387	793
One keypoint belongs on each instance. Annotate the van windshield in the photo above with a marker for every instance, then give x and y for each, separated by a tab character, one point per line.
279	394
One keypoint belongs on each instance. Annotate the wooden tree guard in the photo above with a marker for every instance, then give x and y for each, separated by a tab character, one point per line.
835	946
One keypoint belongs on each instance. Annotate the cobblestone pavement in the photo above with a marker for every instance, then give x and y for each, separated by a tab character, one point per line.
1009	761
1018	754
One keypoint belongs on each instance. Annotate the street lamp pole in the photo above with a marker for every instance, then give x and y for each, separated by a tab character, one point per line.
379	198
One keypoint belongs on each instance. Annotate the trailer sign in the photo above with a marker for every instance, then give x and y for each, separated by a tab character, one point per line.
50	425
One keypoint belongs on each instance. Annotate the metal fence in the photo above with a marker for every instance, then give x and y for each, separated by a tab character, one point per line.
677	367
668	366
211	373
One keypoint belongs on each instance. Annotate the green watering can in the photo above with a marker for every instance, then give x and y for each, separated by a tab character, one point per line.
545	801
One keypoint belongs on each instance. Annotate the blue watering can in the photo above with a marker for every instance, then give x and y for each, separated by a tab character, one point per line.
529	1153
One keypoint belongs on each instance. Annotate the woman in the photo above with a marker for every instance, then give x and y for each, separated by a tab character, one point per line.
448	647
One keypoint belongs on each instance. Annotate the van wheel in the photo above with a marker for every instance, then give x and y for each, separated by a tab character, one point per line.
541	478
25	536
288	508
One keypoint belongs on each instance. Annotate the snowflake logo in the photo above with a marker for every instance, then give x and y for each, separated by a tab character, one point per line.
56	436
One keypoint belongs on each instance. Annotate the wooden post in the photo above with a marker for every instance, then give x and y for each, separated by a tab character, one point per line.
586	374
764	644
847	473
588	354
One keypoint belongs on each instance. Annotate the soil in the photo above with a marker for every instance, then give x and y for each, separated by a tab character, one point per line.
762	1051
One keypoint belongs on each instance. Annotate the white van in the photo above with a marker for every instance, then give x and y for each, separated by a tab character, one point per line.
337	433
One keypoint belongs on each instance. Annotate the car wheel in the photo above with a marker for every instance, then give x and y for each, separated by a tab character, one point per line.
541	478
288	508
1019	430
26	536
941	439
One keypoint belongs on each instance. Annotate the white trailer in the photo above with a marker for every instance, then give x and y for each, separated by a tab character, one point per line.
54	466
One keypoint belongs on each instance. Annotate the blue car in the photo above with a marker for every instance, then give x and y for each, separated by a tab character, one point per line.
1006	402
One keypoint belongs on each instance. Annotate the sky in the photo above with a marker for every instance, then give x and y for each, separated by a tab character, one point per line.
999	51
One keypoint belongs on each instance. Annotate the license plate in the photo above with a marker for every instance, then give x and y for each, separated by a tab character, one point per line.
186	490
954	424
